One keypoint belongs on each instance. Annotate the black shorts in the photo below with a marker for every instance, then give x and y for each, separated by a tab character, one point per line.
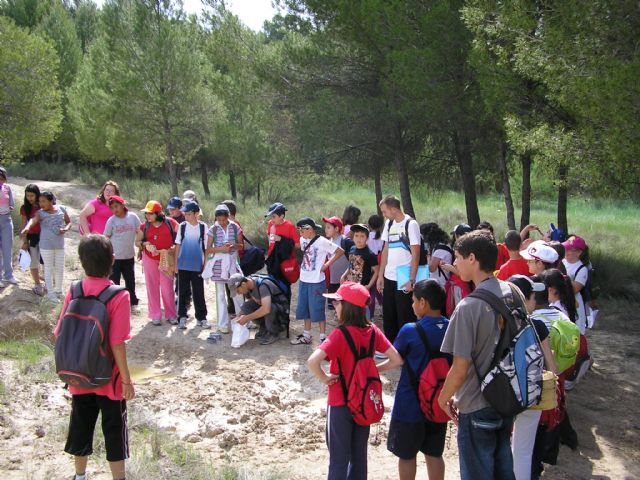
405	440
84	414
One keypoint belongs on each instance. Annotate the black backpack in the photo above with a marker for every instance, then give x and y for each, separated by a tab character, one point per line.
82	352
183	228
406	243
252	260
279	300
588	292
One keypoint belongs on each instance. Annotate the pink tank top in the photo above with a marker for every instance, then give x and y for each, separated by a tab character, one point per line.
98	220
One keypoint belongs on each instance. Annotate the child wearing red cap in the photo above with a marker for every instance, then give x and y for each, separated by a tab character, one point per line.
121	228
333	229
346	440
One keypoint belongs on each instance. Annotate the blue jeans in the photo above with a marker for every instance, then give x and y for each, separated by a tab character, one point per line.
6	246
347	442
484	446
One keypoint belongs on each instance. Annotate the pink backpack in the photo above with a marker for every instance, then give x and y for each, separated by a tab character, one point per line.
456	290
363	393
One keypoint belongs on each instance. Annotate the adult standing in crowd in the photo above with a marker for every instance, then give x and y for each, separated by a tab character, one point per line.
402	248
6	229
93	217
122	228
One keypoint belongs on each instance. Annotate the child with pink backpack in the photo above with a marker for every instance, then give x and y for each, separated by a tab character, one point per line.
350	349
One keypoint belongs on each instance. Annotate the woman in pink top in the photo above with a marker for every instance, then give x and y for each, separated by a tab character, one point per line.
93	217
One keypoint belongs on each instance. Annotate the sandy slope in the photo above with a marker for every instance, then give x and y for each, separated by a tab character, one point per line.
260	407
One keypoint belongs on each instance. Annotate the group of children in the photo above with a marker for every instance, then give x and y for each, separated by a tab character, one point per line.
342	266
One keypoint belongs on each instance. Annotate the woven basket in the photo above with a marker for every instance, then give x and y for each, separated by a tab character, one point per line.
549	398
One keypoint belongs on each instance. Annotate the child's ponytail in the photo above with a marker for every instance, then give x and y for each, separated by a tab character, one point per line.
554	278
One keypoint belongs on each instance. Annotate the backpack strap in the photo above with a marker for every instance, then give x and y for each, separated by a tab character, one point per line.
494	302
309	244
168	223
183	229
109	292
76	290
202	229
145	230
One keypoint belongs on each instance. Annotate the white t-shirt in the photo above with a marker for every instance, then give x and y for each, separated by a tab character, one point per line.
581	278
375	244
549	316
446	257
191	257
398	253
314	257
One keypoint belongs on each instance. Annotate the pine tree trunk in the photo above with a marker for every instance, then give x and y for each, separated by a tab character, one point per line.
465	163
204	175
377	180
232	185
506	187
563	197
403	174
525	216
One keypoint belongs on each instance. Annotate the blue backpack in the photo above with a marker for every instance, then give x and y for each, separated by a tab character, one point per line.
513	382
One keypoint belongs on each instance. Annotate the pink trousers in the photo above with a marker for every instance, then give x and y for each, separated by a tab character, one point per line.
158	285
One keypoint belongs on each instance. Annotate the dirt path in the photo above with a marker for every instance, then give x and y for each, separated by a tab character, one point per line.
258	406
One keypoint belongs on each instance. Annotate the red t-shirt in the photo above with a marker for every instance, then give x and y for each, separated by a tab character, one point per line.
160	236
513	267
119	309
336	346
286	229
33	229
503	255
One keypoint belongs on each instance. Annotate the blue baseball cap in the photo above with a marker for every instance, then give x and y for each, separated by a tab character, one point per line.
191	207
276	208
174	202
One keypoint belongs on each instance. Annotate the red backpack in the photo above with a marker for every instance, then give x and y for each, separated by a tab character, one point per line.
431	381
364	391
456	290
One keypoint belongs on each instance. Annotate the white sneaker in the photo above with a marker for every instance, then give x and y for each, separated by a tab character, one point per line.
53	298
223	329
204	324
156	321
173	321
11	280
301	340
182	324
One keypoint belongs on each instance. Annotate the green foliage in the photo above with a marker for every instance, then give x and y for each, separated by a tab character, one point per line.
140	95
25	352
30	112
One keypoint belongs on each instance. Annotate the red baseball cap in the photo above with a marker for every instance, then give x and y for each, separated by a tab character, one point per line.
351	292
116	199
335	221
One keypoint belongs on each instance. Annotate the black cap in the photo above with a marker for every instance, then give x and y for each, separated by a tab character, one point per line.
306	222
360	227
461	229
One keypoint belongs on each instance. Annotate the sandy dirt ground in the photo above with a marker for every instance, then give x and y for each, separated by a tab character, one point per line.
259	407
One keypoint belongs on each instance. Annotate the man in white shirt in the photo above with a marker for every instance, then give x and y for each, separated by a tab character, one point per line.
401	235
